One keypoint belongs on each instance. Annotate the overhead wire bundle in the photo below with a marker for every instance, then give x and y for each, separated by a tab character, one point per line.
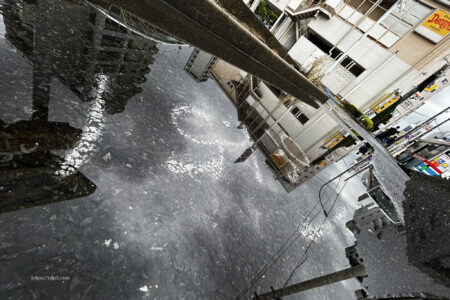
297	233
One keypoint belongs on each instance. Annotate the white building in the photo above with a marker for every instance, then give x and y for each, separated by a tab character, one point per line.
367	217
365	53
200	64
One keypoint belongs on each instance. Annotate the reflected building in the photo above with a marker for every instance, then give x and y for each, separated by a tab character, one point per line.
402	258
81	47
76	51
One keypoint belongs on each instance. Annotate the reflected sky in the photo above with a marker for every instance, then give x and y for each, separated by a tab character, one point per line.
433	106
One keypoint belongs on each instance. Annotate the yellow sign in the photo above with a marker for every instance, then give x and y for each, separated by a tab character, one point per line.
431	88
278	159
333	141
384	103
438	22
387	104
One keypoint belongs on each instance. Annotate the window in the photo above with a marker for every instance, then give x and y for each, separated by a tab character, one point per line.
296	112
230	84
400	22
374	12
396	25
299	115
352	66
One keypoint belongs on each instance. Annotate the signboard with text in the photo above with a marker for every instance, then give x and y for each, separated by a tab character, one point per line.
435	167
279	158
435	27
382	104
334	140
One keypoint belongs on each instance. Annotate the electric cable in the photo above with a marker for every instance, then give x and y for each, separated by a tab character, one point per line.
281	251
435	120
426	118
289	243
305	253
439	128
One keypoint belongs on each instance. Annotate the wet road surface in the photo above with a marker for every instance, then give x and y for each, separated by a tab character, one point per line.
132	162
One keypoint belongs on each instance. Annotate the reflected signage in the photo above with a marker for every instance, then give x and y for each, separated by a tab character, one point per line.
334	140
279	158
436	26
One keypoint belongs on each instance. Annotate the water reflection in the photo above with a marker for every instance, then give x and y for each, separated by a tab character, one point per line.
99	60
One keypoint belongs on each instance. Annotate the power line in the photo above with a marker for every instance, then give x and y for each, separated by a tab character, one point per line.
278	254
293	237
335	199
289	244
420	114
273	259
435	120
305	253
340	174
439	128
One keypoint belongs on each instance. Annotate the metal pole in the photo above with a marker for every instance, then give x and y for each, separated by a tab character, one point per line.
269	115
396	151
399	146
345	274
431	119
402	78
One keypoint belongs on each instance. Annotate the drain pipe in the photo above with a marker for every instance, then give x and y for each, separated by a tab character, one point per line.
370	75
381	19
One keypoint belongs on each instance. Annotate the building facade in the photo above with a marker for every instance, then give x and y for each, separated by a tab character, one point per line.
375	210
200	64
364	54
97	42
430	155
106	66
402	260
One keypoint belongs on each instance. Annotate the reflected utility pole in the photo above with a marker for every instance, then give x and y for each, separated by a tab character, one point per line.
352	272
